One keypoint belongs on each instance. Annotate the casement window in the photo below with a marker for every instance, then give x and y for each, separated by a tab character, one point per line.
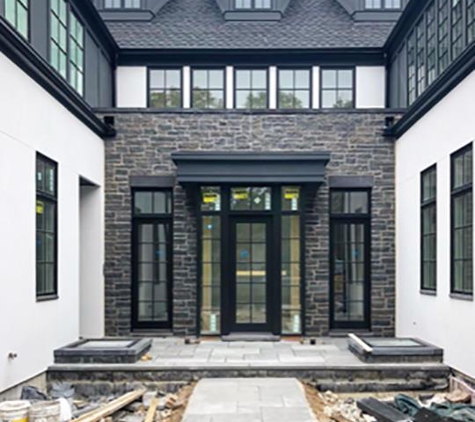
457	28
431	34
443	35
122	4
67	44
252	4
411	68
294	88
208	88
470	21
461	221
165	89
382	4
421	57
429	229
337	88
251	89
46	228
16	12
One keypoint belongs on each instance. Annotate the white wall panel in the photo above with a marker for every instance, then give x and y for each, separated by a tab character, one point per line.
131	87
370	87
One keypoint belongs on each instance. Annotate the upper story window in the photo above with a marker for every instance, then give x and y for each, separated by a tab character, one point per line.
431	34
251	88
67	44
383	4
337	88
470	21
252	4
208	88
165	89
443	35
16	12
457	28
122	4
294	88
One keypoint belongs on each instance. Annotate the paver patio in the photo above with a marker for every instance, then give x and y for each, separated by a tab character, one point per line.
249	400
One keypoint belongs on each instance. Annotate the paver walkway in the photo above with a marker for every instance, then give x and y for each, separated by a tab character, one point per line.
249	400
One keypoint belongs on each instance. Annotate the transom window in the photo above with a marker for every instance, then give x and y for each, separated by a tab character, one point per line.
461	221
251	199
337	90
382	4
429	229
16	12
122	4
46	228
252	4
208	88
251	88
294	88
165	88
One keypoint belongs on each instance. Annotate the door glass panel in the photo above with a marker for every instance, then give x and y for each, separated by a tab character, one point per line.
251	273
349	271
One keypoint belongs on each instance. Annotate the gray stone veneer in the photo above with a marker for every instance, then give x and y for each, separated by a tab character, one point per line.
143	146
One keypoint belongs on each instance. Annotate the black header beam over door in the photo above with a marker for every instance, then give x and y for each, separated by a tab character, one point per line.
250	167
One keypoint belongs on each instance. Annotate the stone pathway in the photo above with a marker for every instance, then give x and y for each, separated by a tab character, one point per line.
249	400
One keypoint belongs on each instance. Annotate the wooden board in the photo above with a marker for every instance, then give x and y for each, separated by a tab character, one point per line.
152	410
381	411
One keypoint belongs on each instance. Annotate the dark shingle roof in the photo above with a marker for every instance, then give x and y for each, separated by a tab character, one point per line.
199	24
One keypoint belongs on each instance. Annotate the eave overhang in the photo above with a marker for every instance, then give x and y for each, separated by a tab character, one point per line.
202	168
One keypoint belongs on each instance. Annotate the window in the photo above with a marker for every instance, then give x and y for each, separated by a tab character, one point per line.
251	199
350	258
421	57
153	262
429	229
461	221
373	4
411	68
252	4
382	4
16	12
251	89
165	88
208	88
457	28
46	228
444	51
431	44
337	88
76	54
122	4
470	21
392	4
294	88
58	37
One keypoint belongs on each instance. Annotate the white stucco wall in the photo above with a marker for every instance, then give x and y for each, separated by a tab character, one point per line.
441	320
131	82
370	87
33	121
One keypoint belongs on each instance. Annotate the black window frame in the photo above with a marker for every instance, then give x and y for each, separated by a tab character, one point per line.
253	5
337	88
52	200
428	204
18	3
149	88
208	89
294	89
165	218
455	193
122	5
251	89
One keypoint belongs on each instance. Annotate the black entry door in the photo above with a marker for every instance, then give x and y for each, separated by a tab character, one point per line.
251	281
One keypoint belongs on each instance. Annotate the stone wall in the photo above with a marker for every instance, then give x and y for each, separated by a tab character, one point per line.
143	146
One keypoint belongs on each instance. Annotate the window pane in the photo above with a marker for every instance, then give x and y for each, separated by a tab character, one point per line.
345	79
286	79
216	79
259	79
243	79
143	203
328	99
302	79
173	79
210	198
290	198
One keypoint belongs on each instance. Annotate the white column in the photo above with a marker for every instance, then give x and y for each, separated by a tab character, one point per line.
229	87
316	87
186	87
272	87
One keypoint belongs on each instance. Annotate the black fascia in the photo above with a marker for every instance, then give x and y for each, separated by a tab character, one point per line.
24	56
238	57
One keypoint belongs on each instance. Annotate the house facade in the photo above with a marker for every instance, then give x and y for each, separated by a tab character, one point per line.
235	168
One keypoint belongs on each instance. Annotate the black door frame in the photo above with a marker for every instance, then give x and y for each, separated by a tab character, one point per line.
366	221
271	282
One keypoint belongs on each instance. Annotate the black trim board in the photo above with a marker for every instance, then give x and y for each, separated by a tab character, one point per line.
152	181
452	76
24	56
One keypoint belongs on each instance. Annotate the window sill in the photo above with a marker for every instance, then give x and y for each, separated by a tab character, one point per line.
462	296
428	292
47	298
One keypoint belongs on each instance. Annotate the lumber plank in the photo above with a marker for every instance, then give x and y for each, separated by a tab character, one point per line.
152	410
111	407
381	411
